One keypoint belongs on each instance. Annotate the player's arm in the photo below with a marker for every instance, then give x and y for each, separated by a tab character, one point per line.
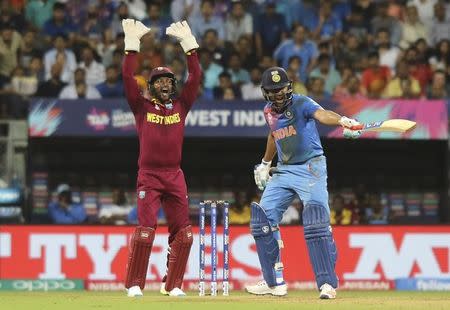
330	118
327	117
182	32
133	30
271	149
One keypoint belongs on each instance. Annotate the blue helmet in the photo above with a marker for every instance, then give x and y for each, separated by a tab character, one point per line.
273	84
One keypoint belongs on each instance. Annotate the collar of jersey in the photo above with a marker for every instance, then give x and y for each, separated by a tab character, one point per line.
156	102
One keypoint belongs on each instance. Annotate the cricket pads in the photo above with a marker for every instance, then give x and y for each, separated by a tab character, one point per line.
138	258
178	257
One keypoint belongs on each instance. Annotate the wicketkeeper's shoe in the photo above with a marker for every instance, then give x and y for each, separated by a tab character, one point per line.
261	288
134	291
177	292
327	292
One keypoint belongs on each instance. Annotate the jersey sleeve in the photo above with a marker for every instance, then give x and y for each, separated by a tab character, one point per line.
190	89
132	92
309	107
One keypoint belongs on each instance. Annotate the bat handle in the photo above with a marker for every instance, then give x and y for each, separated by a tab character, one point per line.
357	127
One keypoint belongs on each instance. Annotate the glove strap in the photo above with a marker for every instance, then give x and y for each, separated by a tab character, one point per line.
266	163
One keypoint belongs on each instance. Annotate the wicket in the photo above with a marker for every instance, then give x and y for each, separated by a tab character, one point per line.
202	276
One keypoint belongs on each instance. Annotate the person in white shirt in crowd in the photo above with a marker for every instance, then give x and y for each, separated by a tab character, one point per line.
79	89
252	90
238	22
136	8
412	27
64	56
116	212
440	28
185	9
388	53
95	71
425	8
207	20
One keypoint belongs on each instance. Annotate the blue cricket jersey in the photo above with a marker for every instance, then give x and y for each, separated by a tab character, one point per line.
294	131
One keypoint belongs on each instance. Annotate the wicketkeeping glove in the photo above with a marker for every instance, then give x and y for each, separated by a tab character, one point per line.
262	176
351	134
182	32
133	30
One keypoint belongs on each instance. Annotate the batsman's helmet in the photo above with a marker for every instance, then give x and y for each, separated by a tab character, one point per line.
273	79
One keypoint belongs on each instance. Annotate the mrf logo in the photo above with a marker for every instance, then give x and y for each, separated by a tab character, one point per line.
284	132
381	258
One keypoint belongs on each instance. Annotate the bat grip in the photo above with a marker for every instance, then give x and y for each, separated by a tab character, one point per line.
357	127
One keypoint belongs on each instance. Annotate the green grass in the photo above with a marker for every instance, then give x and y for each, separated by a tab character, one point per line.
236	301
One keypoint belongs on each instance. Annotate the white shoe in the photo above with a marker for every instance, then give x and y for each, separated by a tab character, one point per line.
327	292
177	292
261	288
134	291
162	290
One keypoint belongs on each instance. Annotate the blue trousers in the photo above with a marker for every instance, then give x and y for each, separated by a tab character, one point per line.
308	181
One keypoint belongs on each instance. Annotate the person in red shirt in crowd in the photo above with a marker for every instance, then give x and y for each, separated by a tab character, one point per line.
375	78
418	69
160	126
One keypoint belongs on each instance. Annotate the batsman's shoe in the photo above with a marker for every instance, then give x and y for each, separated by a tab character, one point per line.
134	291
177	292
261	288
162	290
327	292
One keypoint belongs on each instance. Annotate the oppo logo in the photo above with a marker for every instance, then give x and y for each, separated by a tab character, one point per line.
43	285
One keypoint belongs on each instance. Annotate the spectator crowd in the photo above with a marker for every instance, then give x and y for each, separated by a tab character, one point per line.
332	49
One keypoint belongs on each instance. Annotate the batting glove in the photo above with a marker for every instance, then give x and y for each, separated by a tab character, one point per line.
348	122
182	32
261	173
134	30
351	134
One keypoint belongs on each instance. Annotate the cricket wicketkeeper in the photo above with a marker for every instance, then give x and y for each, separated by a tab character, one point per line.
160	127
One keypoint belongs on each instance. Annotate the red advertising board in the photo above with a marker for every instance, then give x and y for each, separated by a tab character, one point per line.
368	256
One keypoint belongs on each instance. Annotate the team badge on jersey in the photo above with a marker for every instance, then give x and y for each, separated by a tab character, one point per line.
288	114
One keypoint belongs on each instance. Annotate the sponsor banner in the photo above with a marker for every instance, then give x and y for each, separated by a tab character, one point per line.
240	285
369	256
41	285
112	117
422	284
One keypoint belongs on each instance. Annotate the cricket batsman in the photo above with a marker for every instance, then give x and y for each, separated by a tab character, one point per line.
160	182
302	171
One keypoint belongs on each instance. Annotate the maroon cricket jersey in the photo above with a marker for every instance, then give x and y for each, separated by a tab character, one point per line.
160	128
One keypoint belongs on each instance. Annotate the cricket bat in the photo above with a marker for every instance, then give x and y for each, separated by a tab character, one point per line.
395	125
